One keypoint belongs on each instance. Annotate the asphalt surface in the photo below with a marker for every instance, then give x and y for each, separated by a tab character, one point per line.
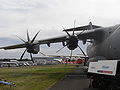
75	80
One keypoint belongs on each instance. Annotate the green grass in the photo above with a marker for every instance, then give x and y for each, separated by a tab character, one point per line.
33	78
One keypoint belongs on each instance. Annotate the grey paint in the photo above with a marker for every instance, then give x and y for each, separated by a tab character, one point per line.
108	47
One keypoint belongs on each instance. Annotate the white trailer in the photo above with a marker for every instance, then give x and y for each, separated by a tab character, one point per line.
105	74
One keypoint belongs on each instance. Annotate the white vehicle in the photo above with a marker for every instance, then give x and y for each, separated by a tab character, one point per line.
106	67
105	74
9	64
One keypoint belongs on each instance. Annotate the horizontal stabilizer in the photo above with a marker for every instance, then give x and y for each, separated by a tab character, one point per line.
87	27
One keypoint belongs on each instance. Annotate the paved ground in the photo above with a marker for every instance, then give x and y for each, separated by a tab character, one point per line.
76	80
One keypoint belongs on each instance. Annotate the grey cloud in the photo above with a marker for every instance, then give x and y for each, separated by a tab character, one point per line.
5	41
23	5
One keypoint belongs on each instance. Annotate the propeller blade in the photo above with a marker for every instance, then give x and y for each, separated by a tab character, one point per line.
61	48
82	51
74	27
71	54
23	54
35	37
20	38
66	31
28	38
82	31
42	53
31	57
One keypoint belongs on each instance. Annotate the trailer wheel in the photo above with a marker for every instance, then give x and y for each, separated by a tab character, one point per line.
113	88
95	84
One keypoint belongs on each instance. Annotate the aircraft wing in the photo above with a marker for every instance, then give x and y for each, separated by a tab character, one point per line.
52	40
87	34
91	34
45	41
13	46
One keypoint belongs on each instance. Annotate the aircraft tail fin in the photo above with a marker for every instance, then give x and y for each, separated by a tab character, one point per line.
90	26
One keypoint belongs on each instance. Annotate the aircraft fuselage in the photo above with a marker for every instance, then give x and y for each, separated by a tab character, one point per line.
108	47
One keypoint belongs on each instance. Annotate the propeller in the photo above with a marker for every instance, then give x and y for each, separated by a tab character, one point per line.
74	27
29	45
72	39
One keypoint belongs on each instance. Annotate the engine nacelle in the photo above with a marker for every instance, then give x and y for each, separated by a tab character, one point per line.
33	49
72	42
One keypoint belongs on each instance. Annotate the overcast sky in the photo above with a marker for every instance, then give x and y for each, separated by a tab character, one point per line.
49	16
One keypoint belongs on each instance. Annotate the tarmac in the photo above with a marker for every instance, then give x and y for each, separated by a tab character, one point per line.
75	80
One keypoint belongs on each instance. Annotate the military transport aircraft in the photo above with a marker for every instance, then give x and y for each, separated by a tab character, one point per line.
104	41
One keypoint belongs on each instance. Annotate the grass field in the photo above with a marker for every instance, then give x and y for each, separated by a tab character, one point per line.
34	77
